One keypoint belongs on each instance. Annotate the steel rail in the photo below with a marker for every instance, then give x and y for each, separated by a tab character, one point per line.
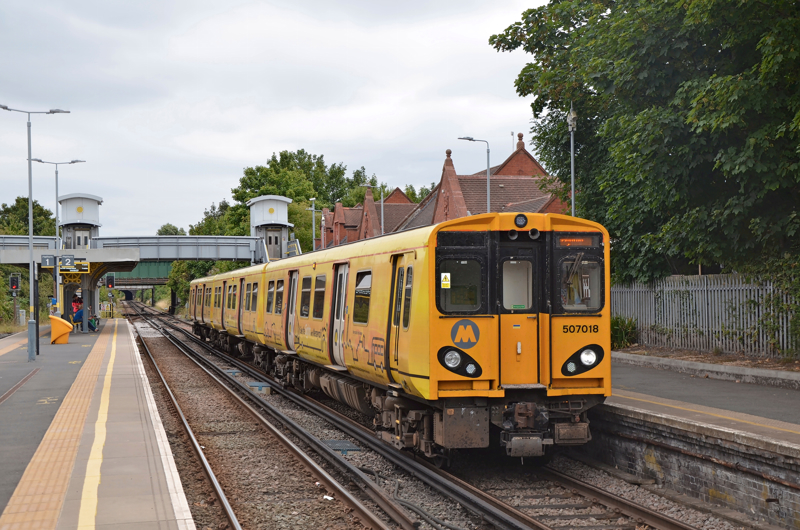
627	508
492	510
367	517
226	506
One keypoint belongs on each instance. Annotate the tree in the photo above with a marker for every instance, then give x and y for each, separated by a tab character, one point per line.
689	122
14	218
170	230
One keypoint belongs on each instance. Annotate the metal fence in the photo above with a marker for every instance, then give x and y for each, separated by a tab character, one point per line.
708	313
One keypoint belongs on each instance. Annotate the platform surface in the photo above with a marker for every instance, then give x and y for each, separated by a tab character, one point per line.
762	411
85	447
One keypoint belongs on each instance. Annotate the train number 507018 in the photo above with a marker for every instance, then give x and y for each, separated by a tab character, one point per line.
581	329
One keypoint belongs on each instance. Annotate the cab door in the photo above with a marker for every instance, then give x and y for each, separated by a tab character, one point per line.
290	315
399	339
338	314
519	325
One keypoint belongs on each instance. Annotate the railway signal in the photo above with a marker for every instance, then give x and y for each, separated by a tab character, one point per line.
110	281
13	282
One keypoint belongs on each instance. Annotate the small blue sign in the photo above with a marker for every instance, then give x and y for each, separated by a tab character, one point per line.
465	334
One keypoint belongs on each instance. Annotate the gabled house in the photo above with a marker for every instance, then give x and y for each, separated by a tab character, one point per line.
514	188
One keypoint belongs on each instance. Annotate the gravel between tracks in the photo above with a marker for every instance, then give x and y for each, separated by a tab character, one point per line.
263	482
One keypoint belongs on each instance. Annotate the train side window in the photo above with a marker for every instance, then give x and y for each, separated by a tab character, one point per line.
233	298
363	292
319	296
460	282
305	297
581	283
208	296
517	285
254	297
270	295
279	297
407	301
398	296
248	289
228	297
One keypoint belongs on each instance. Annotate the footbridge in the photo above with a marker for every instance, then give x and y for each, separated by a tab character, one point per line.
80	257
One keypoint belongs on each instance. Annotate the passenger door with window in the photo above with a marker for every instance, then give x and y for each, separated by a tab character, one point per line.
400	316
338	314
519	324
291	310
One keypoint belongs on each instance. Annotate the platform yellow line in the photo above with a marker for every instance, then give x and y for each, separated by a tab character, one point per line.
707	414
38	498
91	482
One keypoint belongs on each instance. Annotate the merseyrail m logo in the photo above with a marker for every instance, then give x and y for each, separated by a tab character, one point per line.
465	334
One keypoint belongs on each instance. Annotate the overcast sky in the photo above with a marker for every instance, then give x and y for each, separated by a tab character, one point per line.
170	100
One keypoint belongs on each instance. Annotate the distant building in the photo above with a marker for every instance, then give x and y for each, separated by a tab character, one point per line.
514	188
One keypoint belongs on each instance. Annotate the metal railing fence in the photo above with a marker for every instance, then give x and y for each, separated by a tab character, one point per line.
707	313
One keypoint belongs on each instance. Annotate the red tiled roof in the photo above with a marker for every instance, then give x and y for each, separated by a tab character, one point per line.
394	213
505	190
529	206
352	216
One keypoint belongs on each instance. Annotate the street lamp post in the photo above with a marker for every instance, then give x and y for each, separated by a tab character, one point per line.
313	224
58	236
488	171
33	337
572	122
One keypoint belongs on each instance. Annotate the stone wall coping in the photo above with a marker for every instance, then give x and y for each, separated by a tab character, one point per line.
780	447
776	378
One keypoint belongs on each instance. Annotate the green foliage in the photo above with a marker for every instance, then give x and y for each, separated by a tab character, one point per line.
623	332
689	124
417	196
14	218
170	229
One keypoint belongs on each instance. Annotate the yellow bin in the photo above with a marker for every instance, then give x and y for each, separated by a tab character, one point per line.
59	330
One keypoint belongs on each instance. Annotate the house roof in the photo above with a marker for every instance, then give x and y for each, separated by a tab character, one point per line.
352	216
528	206
504	190
394	213
422	215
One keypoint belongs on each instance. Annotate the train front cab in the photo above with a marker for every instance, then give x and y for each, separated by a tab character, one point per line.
520	330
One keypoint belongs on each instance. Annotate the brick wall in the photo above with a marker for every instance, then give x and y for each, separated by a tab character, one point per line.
656	450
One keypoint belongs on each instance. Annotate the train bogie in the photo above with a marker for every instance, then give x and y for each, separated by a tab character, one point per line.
443	334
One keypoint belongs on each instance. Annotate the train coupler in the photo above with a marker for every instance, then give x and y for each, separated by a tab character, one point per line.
524	444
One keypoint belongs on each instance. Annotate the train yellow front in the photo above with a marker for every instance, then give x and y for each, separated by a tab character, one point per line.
495	323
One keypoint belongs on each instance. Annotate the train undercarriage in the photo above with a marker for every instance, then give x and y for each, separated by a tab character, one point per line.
526	423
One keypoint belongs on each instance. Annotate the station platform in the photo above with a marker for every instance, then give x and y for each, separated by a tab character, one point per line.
82	444
759	410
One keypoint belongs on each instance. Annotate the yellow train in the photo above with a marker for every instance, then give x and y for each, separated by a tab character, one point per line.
492	323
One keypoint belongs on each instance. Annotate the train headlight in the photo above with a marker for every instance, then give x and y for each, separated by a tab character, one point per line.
470	368
588	357
520	220
452	359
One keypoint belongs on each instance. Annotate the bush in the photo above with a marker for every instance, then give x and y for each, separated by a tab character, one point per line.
623	332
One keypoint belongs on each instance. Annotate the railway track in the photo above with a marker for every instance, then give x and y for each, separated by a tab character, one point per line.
338	491
540	498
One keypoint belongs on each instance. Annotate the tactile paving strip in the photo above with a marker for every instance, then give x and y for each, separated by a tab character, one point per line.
37	500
